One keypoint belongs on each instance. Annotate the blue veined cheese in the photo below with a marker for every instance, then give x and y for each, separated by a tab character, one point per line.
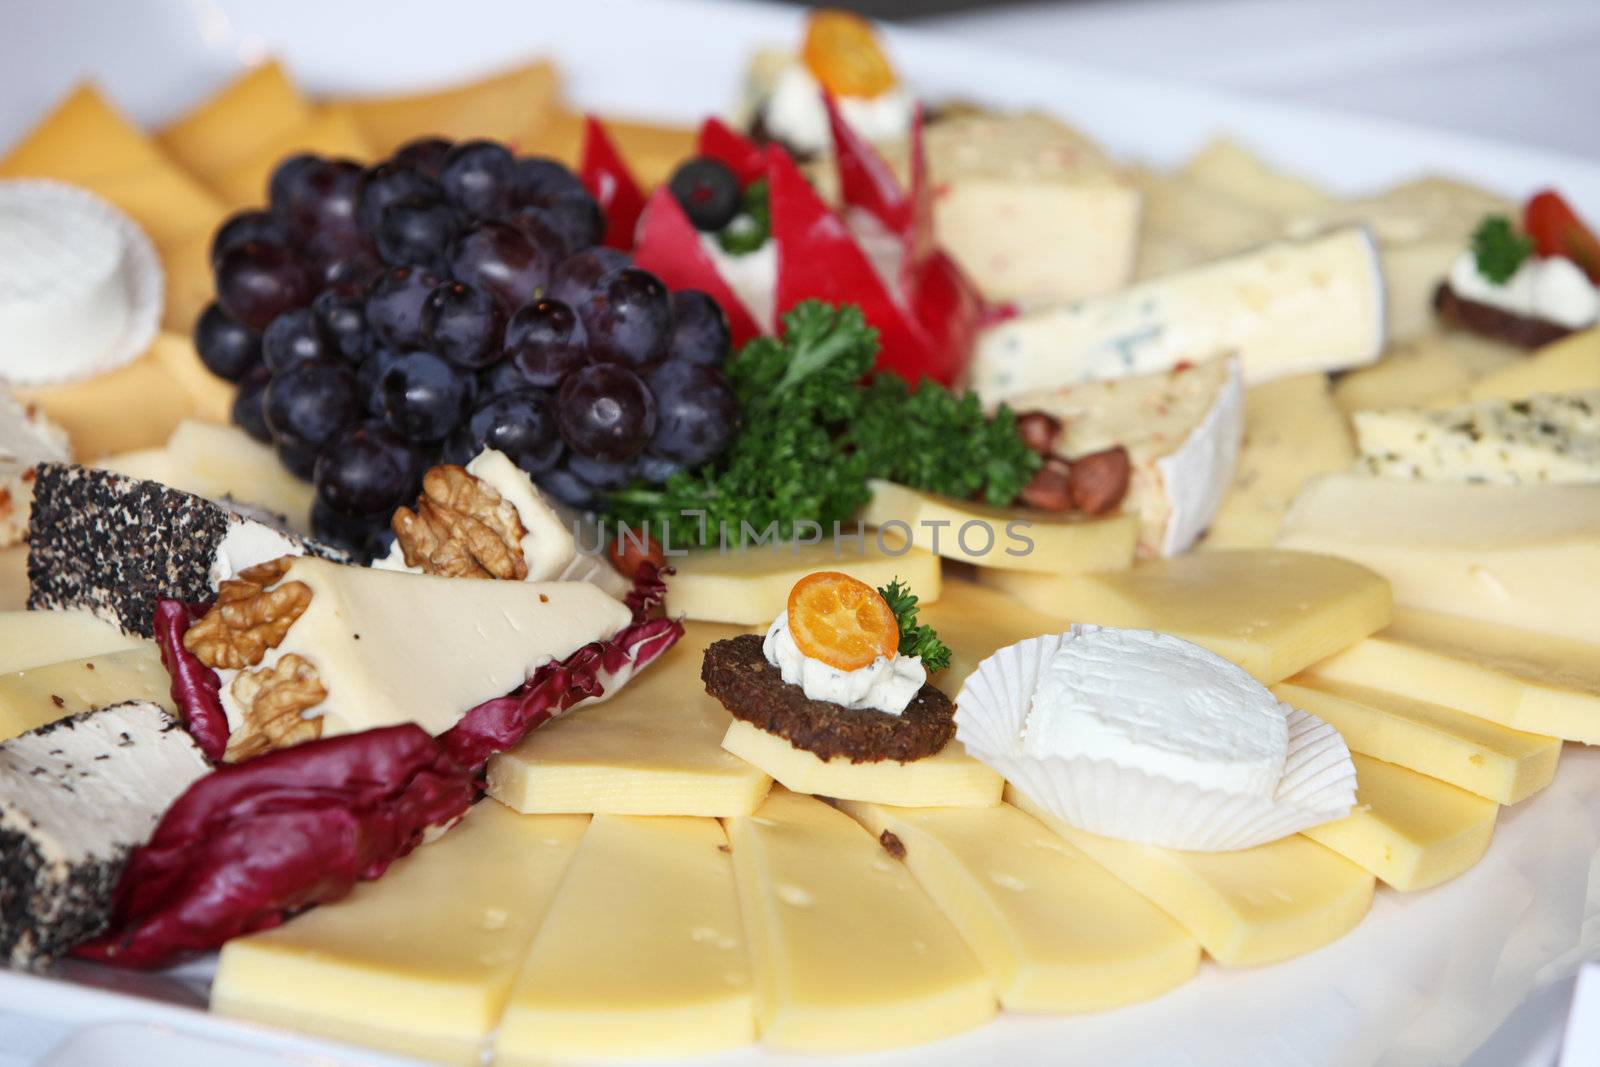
1552	437
1285	308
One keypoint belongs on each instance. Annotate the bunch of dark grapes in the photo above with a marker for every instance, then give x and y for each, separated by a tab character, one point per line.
380	320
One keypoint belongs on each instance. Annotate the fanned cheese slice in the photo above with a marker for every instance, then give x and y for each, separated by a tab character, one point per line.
32	698
31	639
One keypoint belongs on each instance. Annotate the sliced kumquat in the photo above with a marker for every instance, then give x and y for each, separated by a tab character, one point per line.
841	621
843	53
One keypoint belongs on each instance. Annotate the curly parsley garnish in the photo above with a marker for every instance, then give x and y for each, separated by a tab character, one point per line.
915	638
1499	248
751	228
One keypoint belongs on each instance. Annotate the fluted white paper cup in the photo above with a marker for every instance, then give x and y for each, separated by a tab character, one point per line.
1106	798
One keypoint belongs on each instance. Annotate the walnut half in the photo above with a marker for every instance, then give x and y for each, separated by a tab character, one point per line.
252	614
273	701
461	528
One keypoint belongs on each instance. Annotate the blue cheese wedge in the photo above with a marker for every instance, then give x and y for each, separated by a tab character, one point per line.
1285	308
76	797
27	439
1552	437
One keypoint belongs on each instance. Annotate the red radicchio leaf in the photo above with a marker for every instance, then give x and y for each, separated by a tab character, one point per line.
610	182
669	247
732	149
195	687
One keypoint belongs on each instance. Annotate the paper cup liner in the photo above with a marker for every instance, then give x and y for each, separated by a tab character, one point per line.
1105	798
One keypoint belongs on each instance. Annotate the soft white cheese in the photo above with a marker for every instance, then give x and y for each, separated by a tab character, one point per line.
1154	703
1552	288
753	277
795	114
248	543
27	439
887	684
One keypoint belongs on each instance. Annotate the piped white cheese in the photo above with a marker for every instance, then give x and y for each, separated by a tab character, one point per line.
794	112
1551	288
887	684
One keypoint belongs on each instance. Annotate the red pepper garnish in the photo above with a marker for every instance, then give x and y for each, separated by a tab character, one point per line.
733	150
1558	231
611	183
865	180
669	247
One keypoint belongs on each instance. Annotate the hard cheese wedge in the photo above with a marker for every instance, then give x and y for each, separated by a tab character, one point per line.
641	953
848	953
223	462
1568	365
1526	681
512	105
31	639
1410	830
1273	613
332	132
1055	931
13	578
654	749
1005	539
1435	366
949	777
750	586
31	698
1505	554
1491	760
253	109
1261	905
420	961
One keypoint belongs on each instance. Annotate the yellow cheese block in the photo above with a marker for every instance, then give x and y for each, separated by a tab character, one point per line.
1569	365
1261	905
652	151
512	105
31	639
421	961
848	953
1000	538
136	406
975	622
31	698
190	283
212	396
1410	830
1436	366
641	953
1527	681
1292	432
750	586
1488	759
1271	612
949	777
653	749
332	132
219	461
1055	931
13	578
256	107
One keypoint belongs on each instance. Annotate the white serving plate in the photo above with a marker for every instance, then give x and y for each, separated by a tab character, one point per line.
1424	979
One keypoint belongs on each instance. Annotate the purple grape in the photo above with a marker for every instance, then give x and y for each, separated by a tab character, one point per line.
502	259
601	474
425	153
341	316
243	227
546	342
656	469
568	488
299	458
695	412
521	424
707	191
293	337
575	277
310	402
388	183
544	181
479	177
628	319
394	305
501	377
606	412
369	379
569	226
358	269
368	470
227	347
248	413
257	282
321	206
353	534
699	329
424	398
463	324
417	230
287	184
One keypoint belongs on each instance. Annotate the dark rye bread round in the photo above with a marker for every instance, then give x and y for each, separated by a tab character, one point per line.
1490	321
737	673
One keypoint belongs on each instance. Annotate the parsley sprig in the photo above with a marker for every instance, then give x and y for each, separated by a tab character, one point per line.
916	639
750	228
1499	248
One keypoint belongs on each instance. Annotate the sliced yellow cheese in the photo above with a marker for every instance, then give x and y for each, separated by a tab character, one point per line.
949	777
1292	432
1055	931
975	622
31	639
653	749
212	396
847	951
420	961
13	578
512	105
225	462
641	953
31	698
190	282
332	132
1233	170
1271	612
1488	759
1410	830
98	416
1527	681
1436	366
1261	905
1001	538
1569	365
750	586
253	109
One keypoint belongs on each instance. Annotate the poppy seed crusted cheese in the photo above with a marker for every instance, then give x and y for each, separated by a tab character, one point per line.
76	797
113	545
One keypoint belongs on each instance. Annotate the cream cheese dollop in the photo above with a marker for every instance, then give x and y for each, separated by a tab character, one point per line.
795	114
1551	288
887	684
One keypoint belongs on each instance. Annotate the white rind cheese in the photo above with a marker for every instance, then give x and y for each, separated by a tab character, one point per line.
1546	438
79	794
27	438
1286	308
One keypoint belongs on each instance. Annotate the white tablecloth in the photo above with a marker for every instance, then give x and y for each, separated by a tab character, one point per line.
1526	71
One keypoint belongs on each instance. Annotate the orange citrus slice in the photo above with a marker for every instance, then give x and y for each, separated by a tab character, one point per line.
843	54
841	621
